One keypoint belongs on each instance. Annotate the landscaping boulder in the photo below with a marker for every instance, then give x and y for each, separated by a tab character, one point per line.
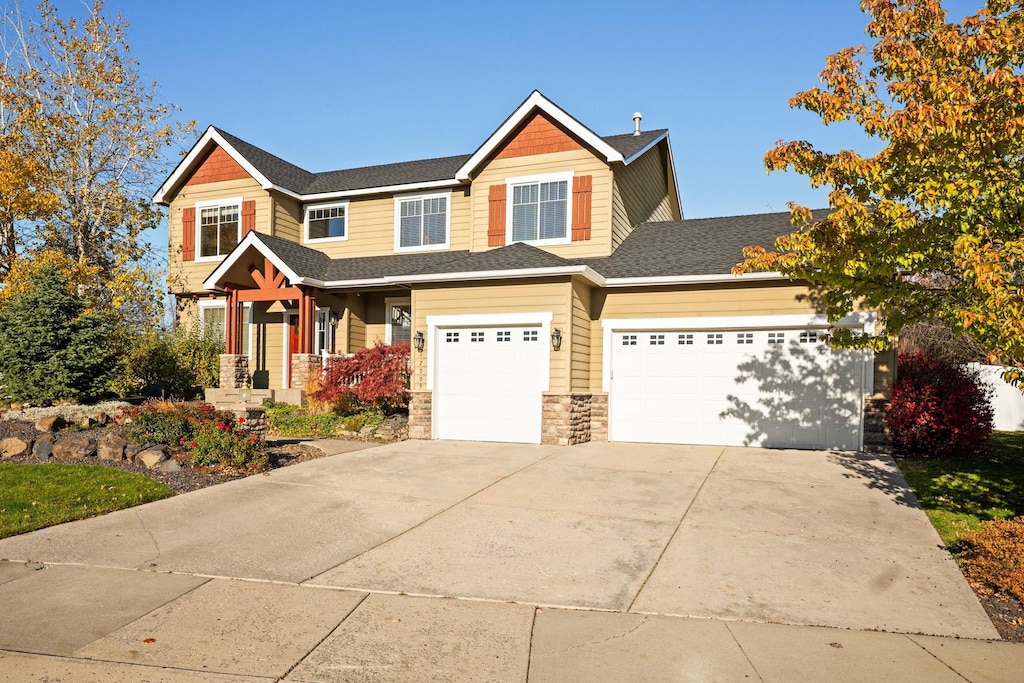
87	422
74	448
111	447
131	451
43	447
51	423
102	419
169	466
152	457
13	447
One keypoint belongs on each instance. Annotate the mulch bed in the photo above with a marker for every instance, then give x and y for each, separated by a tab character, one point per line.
1007	615
282	453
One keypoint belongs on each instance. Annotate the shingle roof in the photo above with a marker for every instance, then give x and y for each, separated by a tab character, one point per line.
629	144
703	246
304	261
298	180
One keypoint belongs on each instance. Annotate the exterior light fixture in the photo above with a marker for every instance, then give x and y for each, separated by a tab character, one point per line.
417	341
556	339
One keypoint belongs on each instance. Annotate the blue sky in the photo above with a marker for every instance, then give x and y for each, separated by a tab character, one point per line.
330	85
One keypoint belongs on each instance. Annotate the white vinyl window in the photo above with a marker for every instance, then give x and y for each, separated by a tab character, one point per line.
422	222
324	341
539	208
327	222
213	321
218	227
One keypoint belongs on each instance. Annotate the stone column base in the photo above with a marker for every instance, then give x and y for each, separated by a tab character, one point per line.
599	417
234	371
877	437
566	419
255	420
420	413
305	366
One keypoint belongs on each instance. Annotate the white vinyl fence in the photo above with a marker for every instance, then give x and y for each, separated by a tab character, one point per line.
1007	400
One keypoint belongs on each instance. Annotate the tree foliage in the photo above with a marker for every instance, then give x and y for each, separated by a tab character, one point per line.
83	139
51	345
932	226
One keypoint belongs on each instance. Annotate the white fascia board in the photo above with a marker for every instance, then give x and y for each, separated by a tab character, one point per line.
210	137
250	240
537	101
347	284
689	279
643	150
865	320
384	189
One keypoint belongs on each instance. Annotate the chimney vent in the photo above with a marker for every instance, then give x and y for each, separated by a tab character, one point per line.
636	122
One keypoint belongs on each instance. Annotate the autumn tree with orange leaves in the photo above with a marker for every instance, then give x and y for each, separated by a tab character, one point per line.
932	226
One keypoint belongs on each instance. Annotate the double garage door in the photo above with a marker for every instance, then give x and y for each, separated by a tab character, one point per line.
777	387
750	387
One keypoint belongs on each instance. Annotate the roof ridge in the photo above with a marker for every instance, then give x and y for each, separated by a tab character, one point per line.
234	138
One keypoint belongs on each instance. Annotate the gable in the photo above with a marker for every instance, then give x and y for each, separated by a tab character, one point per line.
217	166
538	135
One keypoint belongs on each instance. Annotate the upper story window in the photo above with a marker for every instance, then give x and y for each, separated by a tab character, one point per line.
422	222
327	222
218	227
539	209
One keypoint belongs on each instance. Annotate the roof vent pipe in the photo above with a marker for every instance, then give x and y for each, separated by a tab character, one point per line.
636	122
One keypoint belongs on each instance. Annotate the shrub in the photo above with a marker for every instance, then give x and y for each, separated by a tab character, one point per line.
993	556
938	408
170	422
51	345
182	361
224	443
377	377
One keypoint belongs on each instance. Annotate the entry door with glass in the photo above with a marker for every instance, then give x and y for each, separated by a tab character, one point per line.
399	323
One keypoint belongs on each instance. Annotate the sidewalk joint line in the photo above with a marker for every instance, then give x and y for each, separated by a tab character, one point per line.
321	641
529	646
744	652
935	657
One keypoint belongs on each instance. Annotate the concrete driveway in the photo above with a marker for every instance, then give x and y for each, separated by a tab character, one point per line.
364	543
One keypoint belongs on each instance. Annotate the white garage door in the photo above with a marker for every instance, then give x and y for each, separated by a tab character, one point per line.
489	382
760	387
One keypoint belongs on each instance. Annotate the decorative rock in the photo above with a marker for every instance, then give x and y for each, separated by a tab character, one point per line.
101	419
43	447
13	447
74	448
169	466
131	451
111	447
152	457
52	423
87	423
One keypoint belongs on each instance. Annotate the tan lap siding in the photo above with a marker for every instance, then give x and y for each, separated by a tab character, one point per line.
641	194
490	298
580	162
579	339
371	226
287	218
188	276
267	363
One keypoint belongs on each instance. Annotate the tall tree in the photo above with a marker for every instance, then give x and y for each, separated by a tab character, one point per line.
932	226
91	135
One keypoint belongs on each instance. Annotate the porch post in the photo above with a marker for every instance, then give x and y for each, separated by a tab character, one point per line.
232	326
307	321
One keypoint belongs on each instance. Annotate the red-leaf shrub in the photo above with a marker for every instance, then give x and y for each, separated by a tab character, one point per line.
378	376
938	408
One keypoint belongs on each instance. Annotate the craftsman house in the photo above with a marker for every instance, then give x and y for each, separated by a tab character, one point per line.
550	288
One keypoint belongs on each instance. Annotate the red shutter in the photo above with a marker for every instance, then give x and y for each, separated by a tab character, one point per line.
496	217
188	233
248	217
581	191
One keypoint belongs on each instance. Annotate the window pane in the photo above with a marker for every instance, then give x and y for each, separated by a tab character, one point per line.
524	222
208	240
435	212
410	231
212	322
552	220
326	222
228	236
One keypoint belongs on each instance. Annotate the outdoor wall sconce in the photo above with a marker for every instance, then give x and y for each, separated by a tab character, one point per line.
556	339
417	341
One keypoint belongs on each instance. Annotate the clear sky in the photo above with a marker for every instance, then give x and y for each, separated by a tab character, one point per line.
328	85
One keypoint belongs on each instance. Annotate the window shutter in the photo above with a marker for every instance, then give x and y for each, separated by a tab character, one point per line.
581	191
496	217
188	233
248	217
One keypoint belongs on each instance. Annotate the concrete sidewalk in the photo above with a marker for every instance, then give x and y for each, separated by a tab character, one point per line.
460	561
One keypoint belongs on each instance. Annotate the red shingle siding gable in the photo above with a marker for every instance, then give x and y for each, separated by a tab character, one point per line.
217	166
539	136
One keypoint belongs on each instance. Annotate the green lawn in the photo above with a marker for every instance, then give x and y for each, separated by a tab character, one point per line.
958	494
37	496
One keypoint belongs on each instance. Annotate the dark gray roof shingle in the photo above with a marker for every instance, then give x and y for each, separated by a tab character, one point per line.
304	261
703	246
300	181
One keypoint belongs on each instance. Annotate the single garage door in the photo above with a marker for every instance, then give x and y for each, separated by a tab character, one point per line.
489	383
758	387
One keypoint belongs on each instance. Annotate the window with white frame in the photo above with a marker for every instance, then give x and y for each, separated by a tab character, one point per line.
327	222
421	222
213	321
323	333
539	208
218	227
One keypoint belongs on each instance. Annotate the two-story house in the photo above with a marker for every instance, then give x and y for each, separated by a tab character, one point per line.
548	284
